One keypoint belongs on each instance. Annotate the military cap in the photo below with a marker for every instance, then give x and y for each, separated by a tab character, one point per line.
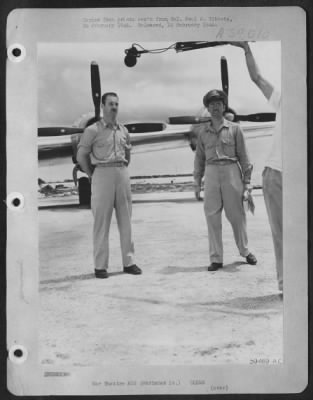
215	95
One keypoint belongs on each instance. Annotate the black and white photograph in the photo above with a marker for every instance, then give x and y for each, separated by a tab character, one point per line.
151	318
161	202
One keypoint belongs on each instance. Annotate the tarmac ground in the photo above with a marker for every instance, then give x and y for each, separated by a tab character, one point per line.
176	312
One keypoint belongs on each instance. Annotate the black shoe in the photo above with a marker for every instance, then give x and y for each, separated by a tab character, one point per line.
215	266
101	273
132	269
251	259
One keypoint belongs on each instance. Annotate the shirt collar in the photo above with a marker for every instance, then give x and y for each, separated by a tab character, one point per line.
109	125
225	124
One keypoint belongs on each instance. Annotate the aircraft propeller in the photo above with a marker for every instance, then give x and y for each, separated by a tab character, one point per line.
187	120
96	97
152	127
58	131
95	88
257	117
224	75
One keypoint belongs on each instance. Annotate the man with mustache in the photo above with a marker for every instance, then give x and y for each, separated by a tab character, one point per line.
104	154
222	157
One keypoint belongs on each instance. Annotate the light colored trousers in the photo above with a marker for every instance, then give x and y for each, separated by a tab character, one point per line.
110	188
223	188
272	189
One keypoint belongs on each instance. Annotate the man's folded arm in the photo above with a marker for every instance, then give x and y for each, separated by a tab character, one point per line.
83	158
84	150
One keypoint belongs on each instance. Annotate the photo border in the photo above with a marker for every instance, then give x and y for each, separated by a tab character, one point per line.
254	4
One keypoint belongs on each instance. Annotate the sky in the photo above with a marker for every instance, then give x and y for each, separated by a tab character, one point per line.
157	87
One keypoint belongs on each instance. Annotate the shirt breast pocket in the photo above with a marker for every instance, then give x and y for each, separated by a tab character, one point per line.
102	148
210	146
229	146
210	143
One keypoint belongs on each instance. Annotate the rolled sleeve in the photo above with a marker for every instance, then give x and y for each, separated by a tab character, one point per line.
87	140
243	156
199	162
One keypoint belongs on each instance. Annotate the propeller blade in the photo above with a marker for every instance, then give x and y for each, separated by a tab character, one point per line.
224	75
58	131
95	88
188	120
258	117
141	127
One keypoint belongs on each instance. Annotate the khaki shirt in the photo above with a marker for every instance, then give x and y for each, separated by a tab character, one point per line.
227	144
106	143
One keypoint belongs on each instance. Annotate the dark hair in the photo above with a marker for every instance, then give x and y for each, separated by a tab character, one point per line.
105	95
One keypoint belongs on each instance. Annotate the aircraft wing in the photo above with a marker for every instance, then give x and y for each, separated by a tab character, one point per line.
169	138
177	135
255	130
47	143
172	136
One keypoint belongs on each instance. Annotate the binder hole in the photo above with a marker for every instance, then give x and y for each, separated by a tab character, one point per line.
18	353
15	201
16	52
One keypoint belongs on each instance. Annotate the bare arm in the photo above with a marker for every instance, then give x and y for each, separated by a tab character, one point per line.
265	86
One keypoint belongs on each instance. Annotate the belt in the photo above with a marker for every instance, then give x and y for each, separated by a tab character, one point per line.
221	162
112	164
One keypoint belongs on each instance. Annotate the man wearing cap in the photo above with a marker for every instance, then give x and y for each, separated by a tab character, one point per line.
104	153
222	158
273	171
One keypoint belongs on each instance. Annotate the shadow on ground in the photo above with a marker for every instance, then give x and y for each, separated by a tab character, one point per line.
271	301
233	267
75	278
